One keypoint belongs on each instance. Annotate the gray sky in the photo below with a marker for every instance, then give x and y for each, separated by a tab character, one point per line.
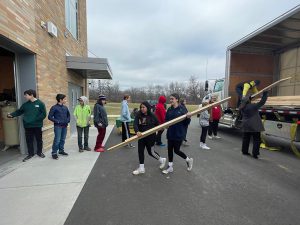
159	41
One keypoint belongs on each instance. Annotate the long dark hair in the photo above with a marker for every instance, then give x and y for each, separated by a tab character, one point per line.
148	106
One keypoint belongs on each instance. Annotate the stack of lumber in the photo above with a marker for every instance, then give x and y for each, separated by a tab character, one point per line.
281	101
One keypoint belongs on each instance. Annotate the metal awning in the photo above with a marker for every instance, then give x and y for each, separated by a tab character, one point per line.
90	68
281	33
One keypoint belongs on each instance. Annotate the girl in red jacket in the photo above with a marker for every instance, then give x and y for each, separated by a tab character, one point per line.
160	112
215	116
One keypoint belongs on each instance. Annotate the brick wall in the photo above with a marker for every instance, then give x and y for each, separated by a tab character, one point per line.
20	21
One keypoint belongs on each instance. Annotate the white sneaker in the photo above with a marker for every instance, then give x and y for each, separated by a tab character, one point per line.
169	170
217	137
210	137
162	163
138	171
204	146
201	144
190	164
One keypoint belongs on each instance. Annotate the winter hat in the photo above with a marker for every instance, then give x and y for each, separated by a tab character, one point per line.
102	97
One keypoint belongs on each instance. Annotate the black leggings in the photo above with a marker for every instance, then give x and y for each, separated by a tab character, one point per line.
203	134
142	143
213	128
175	145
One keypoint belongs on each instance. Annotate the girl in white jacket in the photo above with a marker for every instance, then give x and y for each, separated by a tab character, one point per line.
204	123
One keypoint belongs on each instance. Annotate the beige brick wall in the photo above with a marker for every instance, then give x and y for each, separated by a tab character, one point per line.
20	21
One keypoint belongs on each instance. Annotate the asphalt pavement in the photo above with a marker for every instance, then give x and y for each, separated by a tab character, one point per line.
223	188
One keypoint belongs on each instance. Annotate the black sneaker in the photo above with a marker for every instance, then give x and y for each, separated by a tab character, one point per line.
255	156
27	157
63	153
41	155
87	148
55	156
245	153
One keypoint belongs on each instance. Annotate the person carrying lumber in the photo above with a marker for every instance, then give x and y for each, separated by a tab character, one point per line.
252	124
176	133
144	121
243	88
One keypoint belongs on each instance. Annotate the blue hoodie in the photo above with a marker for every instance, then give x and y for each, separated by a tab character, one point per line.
125	114
177	132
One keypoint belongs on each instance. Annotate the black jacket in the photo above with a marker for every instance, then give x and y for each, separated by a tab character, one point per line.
177	132
251	121
100	115
144	122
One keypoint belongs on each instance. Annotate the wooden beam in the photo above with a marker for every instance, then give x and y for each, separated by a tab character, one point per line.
270	86
166	125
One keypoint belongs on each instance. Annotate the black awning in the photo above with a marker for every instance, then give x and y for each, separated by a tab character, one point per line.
90	68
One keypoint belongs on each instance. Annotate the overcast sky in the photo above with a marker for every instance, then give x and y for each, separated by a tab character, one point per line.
159	41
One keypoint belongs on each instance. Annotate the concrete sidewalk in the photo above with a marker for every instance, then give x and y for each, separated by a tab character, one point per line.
43	191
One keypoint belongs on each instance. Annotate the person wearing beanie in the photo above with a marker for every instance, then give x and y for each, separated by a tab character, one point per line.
100	122
243	88
176	133
160	113
144	121
82	114
125	119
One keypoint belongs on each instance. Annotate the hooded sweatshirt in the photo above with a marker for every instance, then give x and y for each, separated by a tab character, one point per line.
144	122
177	132
100	116
125	114
83	113
160	110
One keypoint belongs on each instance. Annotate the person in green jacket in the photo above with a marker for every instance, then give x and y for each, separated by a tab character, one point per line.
34	112
82	115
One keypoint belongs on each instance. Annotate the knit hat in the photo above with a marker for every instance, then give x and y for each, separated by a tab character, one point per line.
102	97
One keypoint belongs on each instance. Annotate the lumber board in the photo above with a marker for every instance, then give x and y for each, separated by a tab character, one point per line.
270	86
281	101
166	125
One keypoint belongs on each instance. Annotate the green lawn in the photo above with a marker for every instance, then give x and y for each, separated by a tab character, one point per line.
113	108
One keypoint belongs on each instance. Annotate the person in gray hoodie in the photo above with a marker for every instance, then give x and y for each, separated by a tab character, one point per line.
204	123
125	119
100	122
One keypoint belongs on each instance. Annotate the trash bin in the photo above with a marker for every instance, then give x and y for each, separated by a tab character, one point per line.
10	126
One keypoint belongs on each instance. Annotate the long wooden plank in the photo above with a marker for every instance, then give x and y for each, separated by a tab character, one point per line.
270	86
281	101
166	125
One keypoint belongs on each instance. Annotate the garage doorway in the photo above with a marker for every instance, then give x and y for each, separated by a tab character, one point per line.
18	73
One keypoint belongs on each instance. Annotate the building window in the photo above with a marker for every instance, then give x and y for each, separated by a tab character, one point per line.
71	11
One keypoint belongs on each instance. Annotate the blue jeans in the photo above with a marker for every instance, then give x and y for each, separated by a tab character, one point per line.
60	134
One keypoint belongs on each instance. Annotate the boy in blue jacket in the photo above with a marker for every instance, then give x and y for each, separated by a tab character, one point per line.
177	132
59	114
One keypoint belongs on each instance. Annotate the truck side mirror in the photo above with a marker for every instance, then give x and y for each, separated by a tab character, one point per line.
206	86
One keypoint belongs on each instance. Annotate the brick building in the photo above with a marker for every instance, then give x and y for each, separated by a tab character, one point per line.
43	46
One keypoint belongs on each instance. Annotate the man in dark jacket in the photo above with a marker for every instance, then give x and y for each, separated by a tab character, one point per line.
252	124
59	114
34	112
100	122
